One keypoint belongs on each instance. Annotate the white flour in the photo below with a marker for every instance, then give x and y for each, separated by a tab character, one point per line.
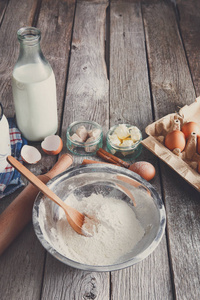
117	232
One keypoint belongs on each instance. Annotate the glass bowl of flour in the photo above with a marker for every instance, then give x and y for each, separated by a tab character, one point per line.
130	218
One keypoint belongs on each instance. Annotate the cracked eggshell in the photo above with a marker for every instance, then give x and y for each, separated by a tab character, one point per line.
52	145
30	154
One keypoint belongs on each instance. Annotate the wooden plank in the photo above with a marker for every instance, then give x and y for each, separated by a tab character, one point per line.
3	6
149	279
21	268
64	282
130	102
17	15
182	204
171	87
55	44
189	20
169	71
86	99
129	86
18	265
87	88
55	21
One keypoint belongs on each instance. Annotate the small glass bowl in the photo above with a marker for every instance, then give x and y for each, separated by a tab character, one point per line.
125	153
84	148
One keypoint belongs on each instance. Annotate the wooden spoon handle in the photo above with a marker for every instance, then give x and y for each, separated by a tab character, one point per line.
34	180
19	213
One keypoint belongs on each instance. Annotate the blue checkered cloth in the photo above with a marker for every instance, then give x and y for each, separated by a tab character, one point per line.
10	179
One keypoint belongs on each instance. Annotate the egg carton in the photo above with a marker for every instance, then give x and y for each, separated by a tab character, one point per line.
184	163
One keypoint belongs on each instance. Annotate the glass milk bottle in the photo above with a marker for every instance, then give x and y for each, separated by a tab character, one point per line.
34	88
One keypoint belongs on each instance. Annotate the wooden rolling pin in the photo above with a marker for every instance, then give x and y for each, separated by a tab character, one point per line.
19	213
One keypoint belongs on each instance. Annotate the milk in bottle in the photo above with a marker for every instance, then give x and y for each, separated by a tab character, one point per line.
34	89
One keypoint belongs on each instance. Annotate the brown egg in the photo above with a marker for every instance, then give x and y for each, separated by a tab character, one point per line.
198	145
175	139
144	169
190	127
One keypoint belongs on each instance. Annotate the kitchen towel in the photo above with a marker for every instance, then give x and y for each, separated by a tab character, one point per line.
10	179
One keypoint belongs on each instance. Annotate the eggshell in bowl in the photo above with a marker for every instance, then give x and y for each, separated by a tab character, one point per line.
52	145
30	154
144	169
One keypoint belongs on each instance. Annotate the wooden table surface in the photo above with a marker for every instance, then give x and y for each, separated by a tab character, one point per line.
114	62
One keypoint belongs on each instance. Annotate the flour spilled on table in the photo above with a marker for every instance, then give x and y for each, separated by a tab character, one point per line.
116	233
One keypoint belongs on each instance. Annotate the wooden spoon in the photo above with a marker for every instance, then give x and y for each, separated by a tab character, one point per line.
74	217
19	212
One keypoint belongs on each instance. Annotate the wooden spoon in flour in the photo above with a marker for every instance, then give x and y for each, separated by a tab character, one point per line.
74	217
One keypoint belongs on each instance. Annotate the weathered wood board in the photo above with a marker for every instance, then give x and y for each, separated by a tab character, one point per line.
172	87
189	21
130	102
129	83
28	283
55	22
115	62
16	16
169	72
86	99
19	267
